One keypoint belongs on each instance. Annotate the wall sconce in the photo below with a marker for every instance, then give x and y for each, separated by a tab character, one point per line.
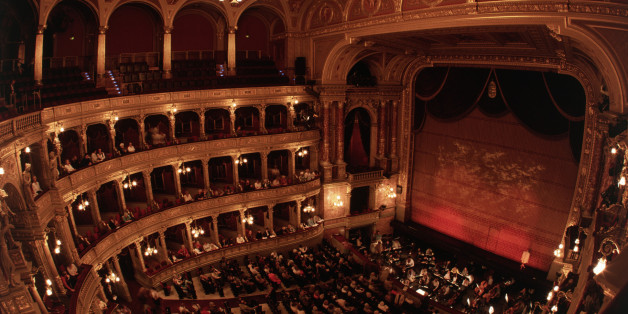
559	250
338	201
114	116
622	181
248	219
129	184
1	170
308	209
601	265
614	150
241	161
302	153
233	103
57	249
27	150
183	169
150	250
112	277
83	204
48	287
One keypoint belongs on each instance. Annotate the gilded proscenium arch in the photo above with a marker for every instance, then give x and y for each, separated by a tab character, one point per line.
128	234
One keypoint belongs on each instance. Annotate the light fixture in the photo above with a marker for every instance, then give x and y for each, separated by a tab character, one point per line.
338	202
197	231
48	287
308	209
57	249
241	160
554	308
622	181
420	291
112	277
601	265
129	184
550	295
506	297
302	153
150	250
183	169
83	204
27	150
247	219
391	193
491	310
575	248
233	102
556	288
1	170
613	150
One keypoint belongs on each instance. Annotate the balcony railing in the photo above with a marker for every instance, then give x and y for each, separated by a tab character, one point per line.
233	251
12	128
366	176
124	236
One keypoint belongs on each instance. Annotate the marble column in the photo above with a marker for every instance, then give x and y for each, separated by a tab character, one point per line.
236	176
68	209
46	179
340	141
167	57
215	231
172	119
298	213
381	135
93	204
148	187
393	137
205	163
262	118
142	132
231	51
82	131
232	117
201	119
242	224
268	218
101	56
140	256
125	289
121	201
325	164
50	269
164	247
264	158
177	179
188	237
39	55
313	152
291	162
35	295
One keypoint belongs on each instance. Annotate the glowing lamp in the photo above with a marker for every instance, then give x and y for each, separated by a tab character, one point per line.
601	265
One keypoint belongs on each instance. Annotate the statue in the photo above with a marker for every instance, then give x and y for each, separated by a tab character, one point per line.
26	187
6	240
54	168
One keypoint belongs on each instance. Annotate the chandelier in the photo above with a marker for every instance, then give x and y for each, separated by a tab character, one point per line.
302	153
184	170
150	250
48	287
112	277
83	204
129	184
247	219
197	231
57	249
241	161
308	209
391	193
338	202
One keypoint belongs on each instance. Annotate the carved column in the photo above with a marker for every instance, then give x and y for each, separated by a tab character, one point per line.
93	204
295	218
188	237
262	118
140	256
313	157
172	119
177	179
68	209
268	218
35	295
327	167
46	176
236	176
232	116
215	232
205	164
100	57
39	54
231	51
50	270
393	137
125	289
340	140
290	121
121	201
148	186
164	247
381	135
264	157
69	248
201	119
112	135
167	58
142	132
242	225
291	162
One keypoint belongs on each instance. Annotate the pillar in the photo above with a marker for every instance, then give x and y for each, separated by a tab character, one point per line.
148	186
215	232
262	119
172	120
201	119
68	245
83	140
35	295
381	135
242	224
50	270
68	209
39	54
291	162
112	135
121	200
140	256
327	168
164	247
290	118
394	167
177	179
231	51
232	116
236	176
268	218
340	141
264	157
298	213
188	237
167	57
125	289
101	56
205	163
93	205
313	157
46	179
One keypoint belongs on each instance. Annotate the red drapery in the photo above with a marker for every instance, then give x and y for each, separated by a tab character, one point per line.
357	155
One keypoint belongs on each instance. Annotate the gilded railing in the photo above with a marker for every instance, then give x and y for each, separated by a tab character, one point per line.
131	232
365	176
11	128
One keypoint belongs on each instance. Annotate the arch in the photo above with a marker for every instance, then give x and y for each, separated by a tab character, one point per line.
247	121
187	125
338	62
261	8
195	13
149	4
98	137
127	131
157	130
201	5
217	123
14	198
43	19
70	145
71	25
133	28
276	118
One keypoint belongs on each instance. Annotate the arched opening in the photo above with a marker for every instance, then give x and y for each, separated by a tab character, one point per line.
357	140
278	167
163	183
258	224
360	75
157	130
187	127
14	199
70	38
276	119
247	121
220	173
304	116
217	124
108	201
127	132
228	227
70	147
98	140
192	179
134	37
249	169
134	189
195	33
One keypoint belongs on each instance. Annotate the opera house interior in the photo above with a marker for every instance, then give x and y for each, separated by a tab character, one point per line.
313	156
